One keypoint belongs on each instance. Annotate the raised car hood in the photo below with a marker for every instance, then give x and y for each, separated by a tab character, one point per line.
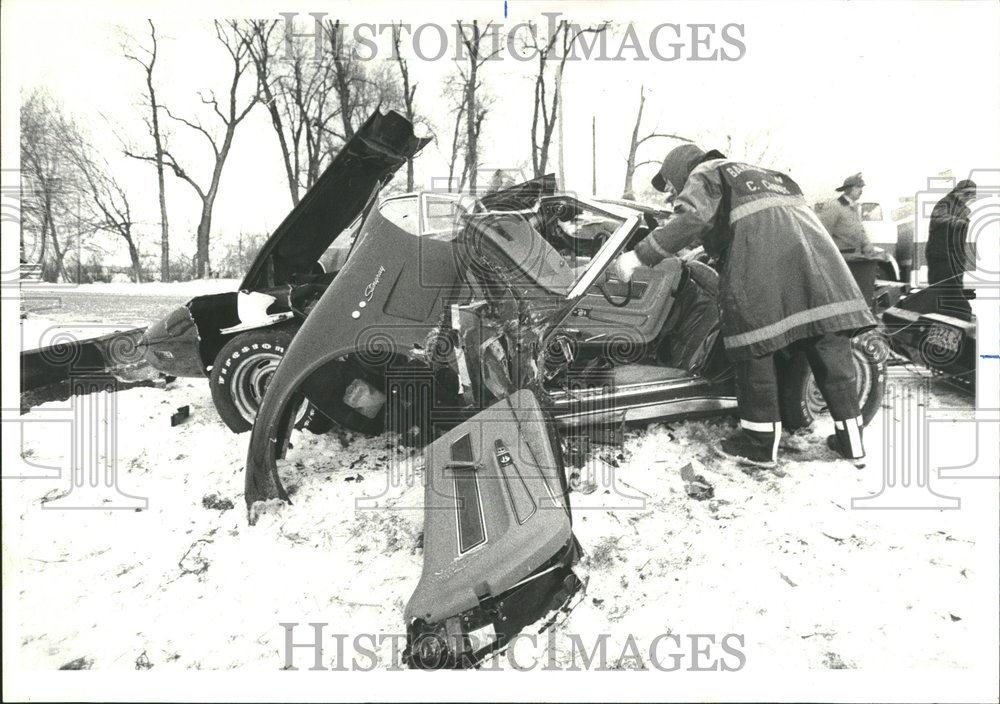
370	157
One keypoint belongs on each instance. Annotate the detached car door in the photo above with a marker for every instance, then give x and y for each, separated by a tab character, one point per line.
498	541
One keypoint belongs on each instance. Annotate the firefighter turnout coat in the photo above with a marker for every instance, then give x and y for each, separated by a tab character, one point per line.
781	276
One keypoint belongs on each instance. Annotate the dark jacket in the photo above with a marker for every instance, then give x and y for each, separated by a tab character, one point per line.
949	227
782	277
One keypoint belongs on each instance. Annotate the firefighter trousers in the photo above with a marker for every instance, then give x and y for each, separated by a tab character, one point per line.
832	362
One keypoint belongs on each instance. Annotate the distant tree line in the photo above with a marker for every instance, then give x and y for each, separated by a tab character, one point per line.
314	101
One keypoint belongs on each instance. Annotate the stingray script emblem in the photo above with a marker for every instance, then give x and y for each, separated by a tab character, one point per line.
370	288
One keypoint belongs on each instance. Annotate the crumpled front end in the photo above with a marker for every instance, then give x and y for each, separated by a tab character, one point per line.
172	344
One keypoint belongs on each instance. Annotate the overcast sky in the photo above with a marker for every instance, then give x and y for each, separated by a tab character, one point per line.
899	91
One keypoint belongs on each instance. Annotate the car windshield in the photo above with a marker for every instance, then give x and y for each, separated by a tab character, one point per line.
442	214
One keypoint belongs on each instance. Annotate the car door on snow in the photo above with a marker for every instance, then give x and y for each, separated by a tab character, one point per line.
498	543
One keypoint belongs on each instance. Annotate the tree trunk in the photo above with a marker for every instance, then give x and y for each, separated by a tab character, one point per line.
50	219
562	157
628	192
202	265
454	145
593	155
272	109
133	254
158	145
164	226
471	146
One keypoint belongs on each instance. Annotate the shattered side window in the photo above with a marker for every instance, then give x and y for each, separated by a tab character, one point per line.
404	213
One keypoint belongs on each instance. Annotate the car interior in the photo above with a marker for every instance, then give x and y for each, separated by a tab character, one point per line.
662	325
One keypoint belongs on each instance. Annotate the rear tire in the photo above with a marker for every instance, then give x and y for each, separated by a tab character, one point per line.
240	376
799	396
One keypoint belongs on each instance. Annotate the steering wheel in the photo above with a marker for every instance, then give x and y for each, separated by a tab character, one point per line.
607	296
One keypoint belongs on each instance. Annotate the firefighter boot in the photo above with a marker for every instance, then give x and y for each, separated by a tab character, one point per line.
755	443
846	440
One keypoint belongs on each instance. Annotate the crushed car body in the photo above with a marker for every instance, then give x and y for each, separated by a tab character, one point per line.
488	339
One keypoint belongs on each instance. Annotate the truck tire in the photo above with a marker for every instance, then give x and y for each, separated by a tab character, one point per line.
240	375
799	396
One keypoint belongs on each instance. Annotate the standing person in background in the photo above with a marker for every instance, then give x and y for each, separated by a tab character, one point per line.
947	259
842	218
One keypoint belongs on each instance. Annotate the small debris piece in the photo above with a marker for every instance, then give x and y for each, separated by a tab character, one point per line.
695	485
83	663
834	661
790	582
216	502
142	662
954	617
193	562
180	416
355	478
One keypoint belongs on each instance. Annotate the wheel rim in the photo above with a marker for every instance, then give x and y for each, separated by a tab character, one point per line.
250	380
862	374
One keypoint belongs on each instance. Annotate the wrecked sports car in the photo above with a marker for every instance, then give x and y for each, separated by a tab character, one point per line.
926	330
489	340
236	339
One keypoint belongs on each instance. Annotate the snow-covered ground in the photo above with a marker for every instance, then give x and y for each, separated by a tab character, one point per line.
777	556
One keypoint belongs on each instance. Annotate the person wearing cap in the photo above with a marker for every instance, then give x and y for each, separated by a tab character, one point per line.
783	288
945	252
842	219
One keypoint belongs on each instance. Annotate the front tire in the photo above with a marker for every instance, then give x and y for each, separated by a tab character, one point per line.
240	376
800	398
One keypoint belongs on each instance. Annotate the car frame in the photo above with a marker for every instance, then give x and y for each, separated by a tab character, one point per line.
467	344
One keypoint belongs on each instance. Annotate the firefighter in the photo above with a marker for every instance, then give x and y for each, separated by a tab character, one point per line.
783	286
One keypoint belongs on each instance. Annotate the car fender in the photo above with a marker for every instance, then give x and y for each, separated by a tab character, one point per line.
391	293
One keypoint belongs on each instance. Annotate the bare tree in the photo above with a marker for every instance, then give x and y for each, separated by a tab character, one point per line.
49	183
357	90
636	142
548	86
109	210
297	92
409	91
315	104
145	57
454	92
476	106
230	113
